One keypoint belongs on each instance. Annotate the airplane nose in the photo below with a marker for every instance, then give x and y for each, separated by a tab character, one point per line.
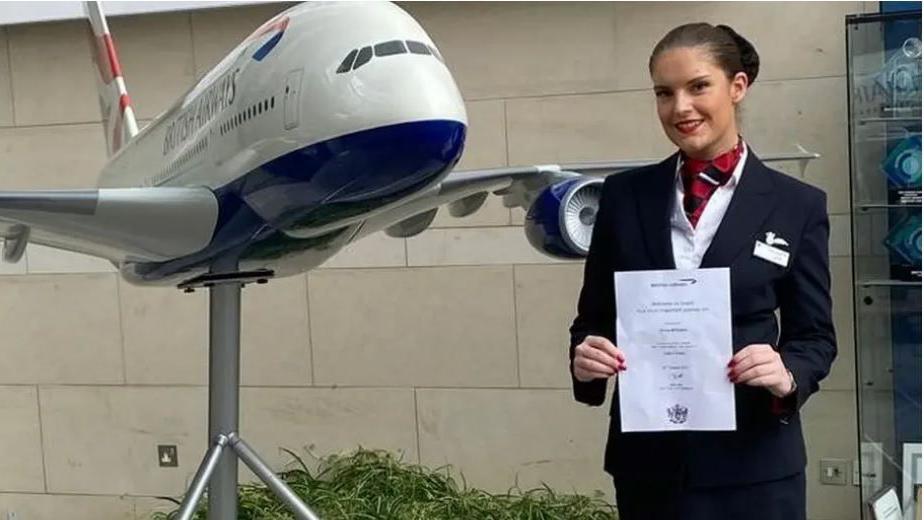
355	173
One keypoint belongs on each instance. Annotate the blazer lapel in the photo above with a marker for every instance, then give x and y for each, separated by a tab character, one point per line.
654	199
750	205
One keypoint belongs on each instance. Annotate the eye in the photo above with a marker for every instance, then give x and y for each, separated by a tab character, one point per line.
700	86
662	94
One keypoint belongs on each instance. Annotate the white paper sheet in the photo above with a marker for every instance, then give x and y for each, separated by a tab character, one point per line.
675	328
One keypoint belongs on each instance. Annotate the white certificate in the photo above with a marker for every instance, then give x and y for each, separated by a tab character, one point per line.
675	328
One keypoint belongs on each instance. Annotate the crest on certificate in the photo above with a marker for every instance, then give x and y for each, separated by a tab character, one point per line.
678	414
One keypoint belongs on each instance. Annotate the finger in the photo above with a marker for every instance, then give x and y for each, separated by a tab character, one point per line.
602	357
763	381
592	368
585	376
756	372
754	357
747	351
758	359
746	363
591	365
605	345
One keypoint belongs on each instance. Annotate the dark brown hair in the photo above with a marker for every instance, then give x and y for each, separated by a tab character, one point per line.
728	49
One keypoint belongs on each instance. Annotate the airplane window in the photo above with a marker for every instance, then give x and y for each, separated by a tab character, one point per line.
273	102
347	62
390	48
265	105
417	48
365	54
435	53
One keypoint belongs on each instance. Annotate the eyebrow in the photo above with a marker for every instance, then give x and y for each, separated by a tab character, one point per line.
700	78
694	80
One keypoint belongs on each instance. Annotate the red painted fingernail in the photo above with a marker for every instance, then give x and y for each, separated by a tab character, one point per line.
731	363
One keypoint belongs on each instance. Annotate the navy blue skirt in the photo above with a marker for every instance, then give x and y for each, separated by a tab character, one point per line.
775	500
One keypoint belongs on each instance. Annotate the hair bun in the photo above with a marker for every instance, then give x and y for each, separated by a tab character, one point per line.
750	61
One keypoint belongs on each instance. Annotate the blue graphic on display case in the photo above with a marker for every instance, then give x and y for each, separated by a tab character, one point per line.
904	239
904	245
903	164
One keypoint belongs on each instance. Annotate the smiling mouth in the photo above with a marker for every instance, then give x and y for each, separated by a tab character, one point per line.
688	127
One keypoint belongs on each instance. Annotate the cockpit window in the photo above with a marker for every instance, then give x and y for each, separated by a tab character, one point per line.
365	54
417	47
435	53
347	62
357	58
390	48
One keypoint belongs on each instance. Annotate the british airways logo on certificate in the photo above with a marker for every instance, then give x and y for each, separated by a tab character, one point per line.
683	282
675	326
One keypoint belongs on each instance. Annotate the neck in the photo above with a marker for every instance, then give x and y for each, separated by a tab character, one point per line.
708	154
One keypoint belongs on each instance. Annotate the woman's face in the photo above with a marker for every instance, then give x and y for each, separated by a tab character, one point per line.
696	101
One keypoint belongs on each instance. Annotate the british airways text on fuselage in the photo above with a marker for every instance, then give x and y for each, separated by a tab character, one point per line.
216	99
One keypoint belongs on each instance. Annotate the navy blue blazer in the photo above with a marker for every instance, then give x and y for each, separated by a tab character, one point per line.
632	232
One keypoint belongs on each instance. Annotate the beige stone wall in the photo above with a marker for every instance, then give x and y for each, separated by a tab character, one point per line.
469	369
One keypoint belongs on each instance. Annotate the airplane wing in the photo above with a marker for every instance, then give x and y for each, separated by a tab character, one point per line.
561	200
144	224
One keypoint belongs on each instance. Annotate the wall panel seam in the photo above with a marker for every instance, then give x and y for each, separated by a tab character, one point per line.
310	329
192	48
38	402
580	93
516	325
121	329
9	64
417	425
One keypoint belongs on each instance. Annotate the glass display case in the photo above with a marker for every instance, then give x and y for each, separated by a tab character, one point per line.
884	98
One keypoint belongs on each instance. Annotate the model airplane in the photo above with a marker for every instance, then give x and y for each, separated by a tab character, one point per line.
330	122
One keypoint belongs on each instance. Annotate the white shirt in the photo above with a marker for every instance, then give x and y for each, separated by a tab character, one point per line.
688	243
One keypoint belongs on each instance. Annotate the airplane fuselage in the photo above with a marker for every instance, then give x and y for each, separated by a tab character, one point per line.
324	116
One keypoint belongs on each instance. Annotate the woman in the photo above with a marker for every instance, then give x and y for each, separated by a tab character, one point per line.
713	204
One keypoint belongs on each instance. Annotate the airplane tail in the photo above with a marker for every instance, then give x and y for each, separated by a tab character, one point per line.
118	117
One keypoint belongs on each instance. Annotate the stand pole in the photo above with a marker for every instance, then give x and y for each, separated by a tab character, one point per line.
218	470
224	389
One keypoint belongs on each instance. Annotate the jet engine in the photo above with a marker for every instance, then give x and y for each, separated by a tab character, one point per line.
561	219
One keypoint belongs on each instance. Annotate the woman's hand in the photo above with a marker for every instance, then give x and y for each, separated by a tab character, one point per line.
760	365
597	358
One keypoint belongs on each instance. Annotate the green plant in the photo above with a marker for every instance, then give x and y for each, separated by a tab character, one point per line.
374	485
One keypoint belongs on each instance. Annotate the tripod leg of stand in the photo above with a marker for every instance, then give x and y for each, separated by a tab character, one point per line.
224	378
278	487
188	508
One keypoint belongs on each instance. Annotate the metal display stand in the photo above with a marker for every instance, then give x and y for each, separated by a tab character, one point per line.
218	469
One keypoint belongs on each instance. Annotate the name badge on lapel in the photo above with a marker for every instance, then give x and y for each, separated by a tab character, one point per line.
766	250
